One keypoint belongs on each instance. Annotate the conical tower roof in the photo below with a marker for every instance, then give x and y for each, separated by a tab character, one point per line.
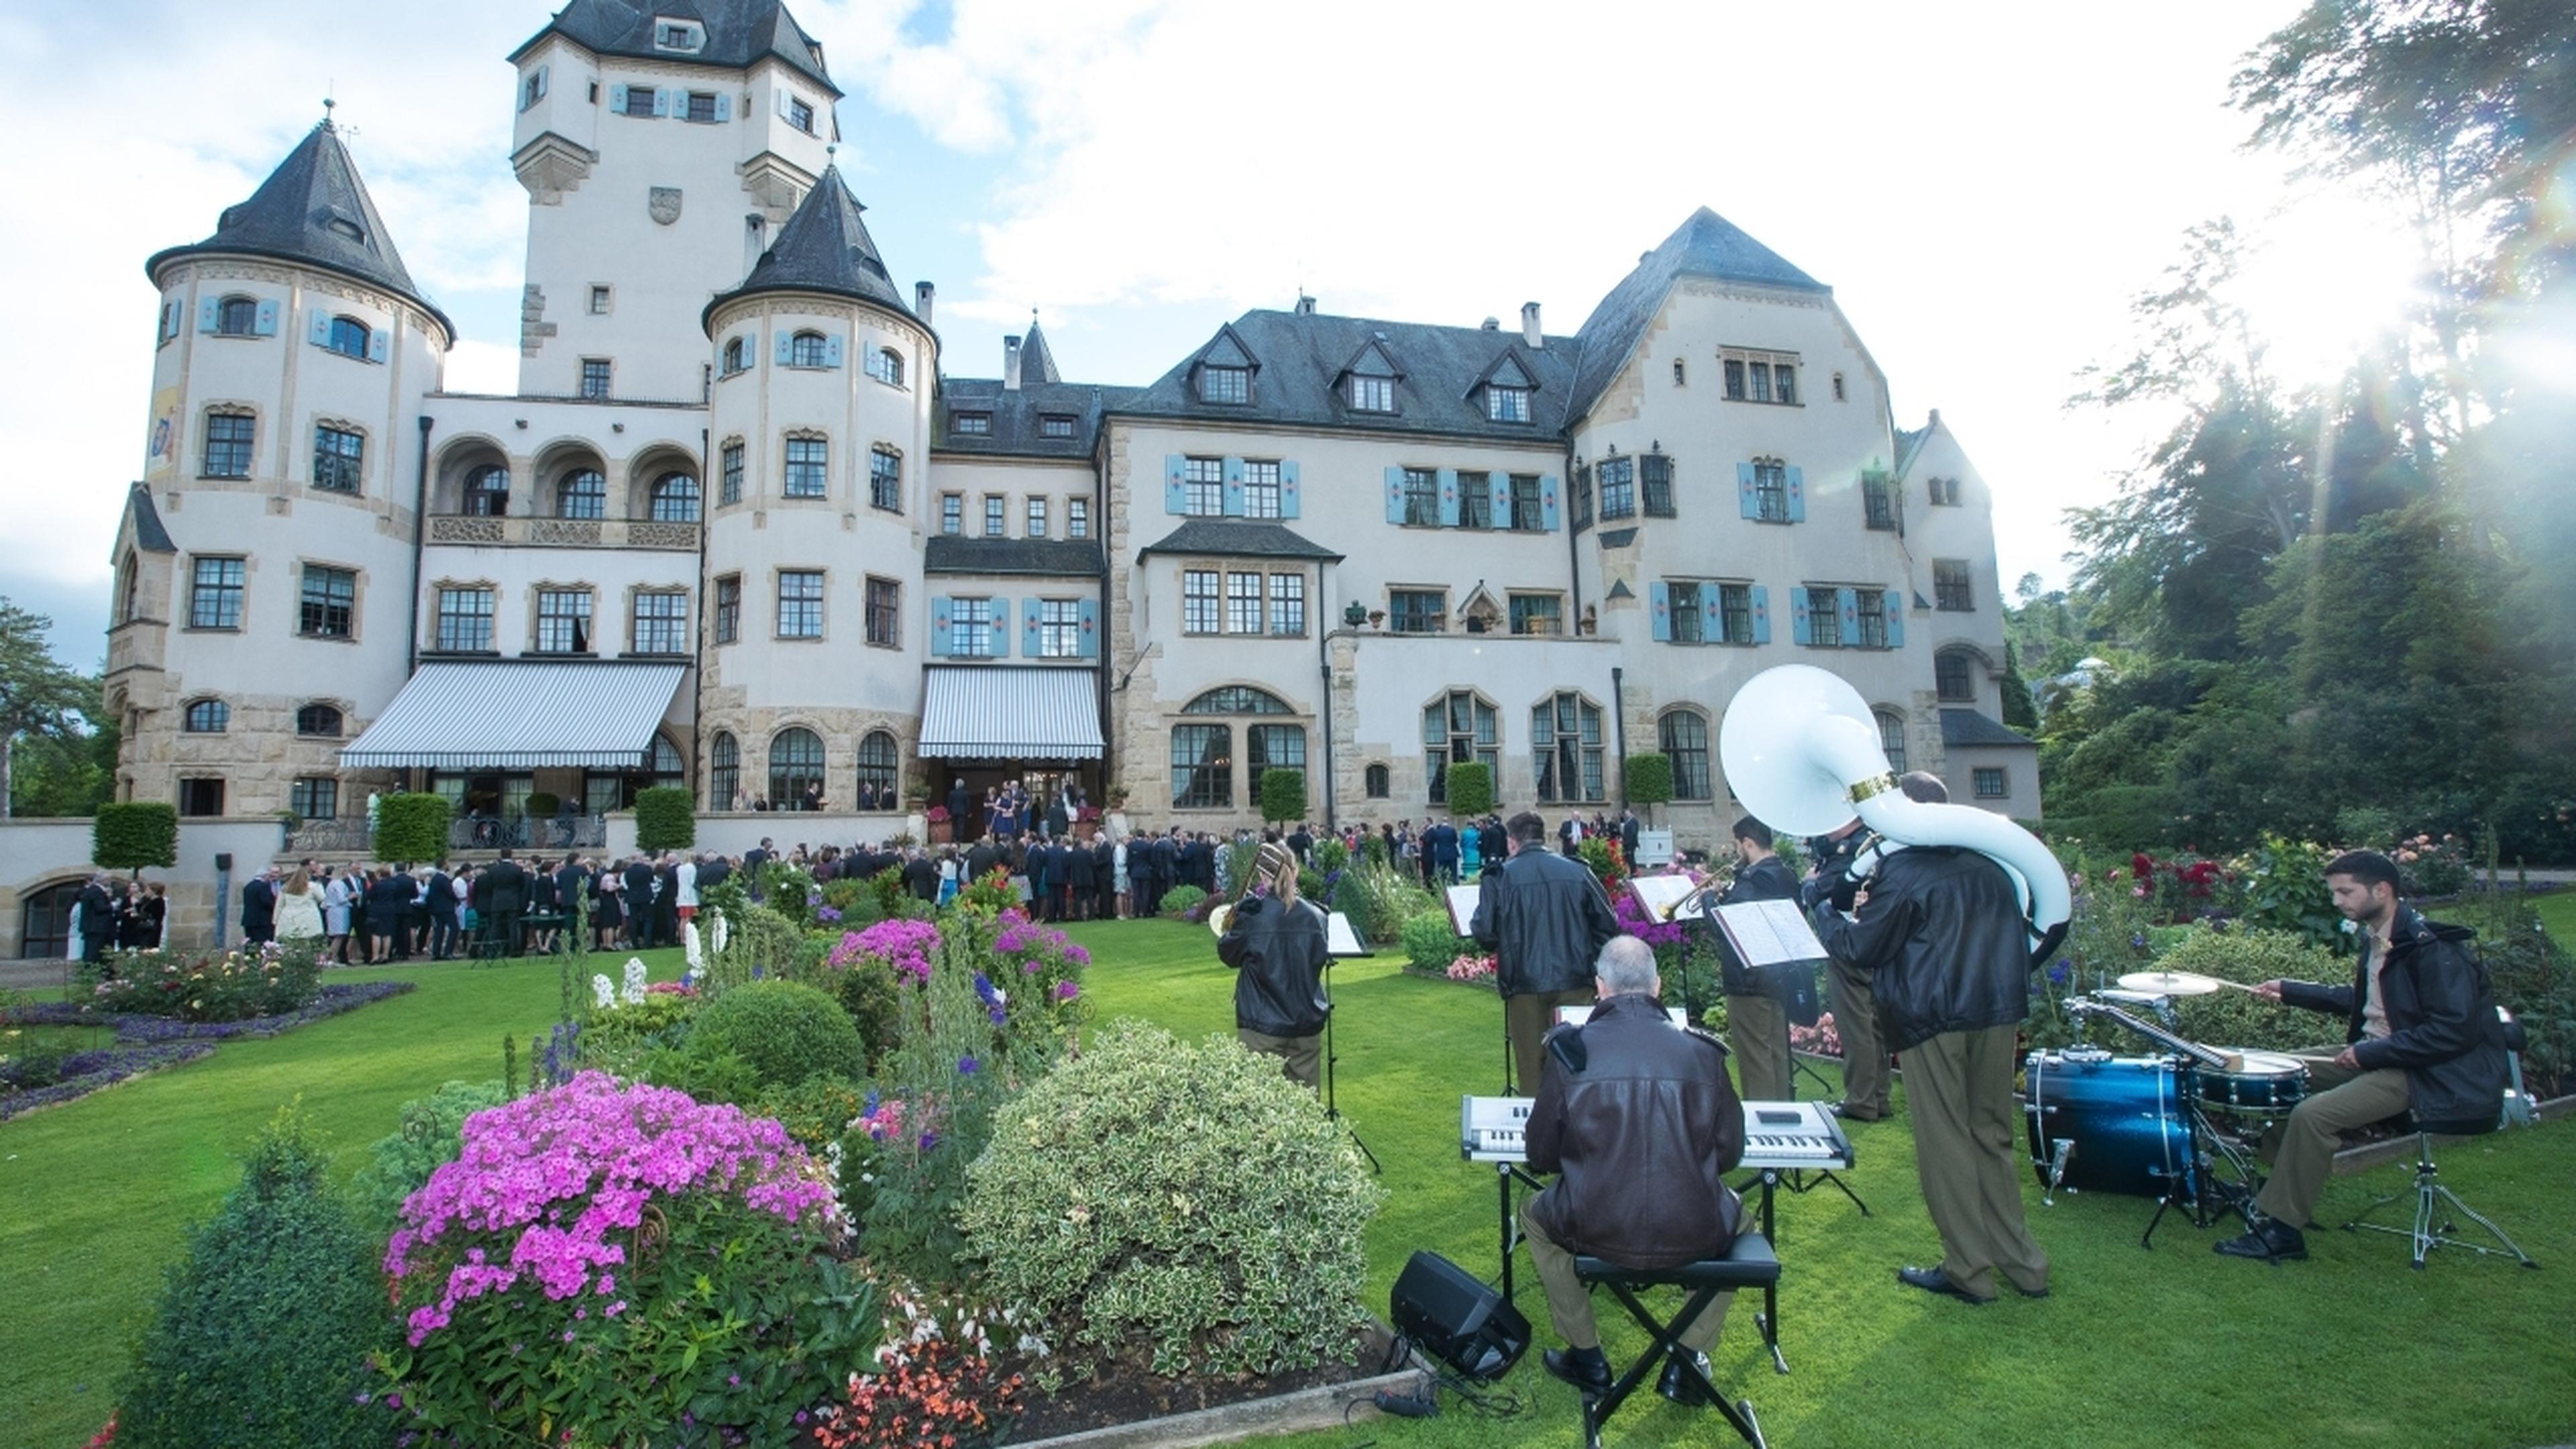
312	210
824	248
1037	361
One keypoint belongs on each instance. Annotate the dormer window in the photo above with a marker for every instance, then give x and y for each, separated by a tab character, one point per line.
1225	384
1372	394
1055	425
1507	404
679	35
970	425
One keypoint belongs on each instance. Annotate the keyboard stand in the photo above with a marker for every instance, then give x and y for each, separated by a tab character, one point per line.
1796	1180
1504	1173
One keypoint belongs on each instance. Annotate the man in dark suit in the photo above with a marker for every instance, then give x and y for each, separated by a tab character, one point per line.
921	876
259	910
501	897
1167	862
962	824
639	903
1104	876
666	898
1440	843
1545	918
980	859
1057	818
1302	841
1491	848
714	871
98	916
1628	835
572	888
1079	884
442	913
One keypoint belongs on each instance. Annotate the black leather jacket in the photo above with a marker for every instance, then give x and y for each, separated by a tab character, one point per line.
1546	919
1767	879
2442	1026
1944	932
1278	954
1637	1116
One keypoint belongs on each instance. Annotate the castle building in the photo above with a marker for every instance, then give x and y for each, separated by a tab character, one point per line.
740	529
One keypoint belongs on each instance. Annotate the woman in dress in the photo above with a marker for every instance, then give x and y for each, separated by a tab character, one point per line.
1118	876
130	920
299	908
949	870
607	894
336	897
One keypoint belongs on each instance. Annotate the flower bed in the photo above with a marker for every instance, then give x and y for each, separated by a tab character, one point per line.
139	1027
206	986
87	1072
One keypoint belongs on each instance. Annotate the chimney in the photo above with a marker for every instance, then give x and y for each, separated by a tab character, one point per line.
1530	332
1010	364
922	293
1936	418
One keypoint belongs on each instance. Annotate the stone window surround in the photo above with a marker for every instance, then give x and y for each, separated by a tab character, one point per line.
366	455
537	591
823	621
626	598
227	408
357	601
429	613
803	435
186	605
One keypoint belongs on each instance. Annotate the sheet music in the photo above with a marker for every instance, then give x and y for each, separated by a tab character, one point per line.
1769	933
1578	1015
1659	894
1339	938
1462	906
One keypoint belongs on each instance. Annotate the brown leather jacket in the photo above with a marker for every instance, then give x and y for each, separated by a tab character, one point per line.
1638	1117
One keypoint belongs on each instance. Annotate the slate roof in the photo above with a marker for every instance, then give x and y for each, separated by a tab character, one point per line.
1907	445
1238	538
946	554
149	535
1967	727
314	211
824	248
1706	245
1016	428
1037	360
1300	356
739	32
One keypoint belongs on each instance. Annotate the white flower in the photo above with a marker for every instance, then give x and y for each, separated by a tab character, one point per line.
719	943
634	980
603	990
689	939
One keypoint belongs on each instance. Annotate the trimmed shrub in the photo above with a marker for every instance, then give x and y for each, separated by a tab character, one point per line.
263	1331
1283	794
411	828
1471	788
429	1138
1648	781
2234	1019
134	834
1431	943
785	1031
1181	900
1178	1203
666	818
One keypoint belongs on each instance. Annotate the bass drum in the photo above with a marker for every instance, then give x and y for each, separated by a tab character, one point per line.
2100	1123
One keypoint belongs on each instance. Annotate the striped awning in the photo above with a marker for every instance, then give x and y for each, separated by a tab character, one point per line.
1005	713
524	716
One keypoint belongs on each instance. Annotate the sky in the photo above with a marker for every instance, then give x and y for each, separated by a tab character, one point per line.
1985	187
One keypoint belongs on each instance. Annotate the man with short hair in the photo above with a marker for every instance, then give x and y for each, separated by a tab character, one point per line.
501	897
1757	1019
1635	1117
1545	917
639	903
2421	1036
442	912
259	910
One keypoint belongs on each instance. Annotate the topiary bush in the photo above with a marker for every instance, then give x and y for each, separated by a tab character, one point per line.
2234	1019
411	828
264	1330
1471	788
430	1136
666	818
1283	794
784	1030
1648	781
1177	1204
1431	943
135	834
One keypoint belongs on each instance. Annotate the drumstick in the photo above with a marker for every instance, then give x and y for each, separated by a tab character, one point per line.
2236	985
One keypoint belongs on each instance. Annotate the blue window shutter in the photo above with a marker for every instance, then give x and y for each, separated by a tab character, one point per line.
786	348
1501	516
832	351
1448	498
1176	491
1032	617
1798	615
1761	614
1745	501
1847	604
319	334
1087	618
1797	495
1712	614
724	105
1892	603
1659	597
1547	491
267	323
940	635
661	101
379	344
1394	495
208	315
1234	487
617	100
1001	626
1287	487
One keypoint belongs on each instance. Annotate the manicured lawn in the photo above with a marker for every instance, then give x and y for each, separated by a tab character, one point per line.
2169	1346
2558	913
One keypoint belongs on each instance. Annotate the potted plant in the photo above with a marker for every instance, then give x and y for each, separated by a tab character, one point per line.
1355	614
937	817
1376	618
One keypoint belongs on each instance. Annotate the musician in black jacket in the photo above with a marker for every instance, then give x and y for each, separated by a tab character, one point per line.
1635	1116
500	898
1276	946
1545	918
1757	1018
1847	984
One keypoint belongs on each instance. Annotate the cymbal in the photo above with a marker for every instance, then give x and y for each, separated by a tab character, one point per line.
2170	983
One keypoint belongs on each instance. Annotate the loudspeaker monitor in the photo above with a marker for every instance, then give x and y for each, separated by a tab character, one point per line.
1450	1314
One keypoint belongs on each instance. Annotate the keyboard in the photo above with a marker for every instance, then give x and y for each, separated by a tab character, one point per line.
1776	1134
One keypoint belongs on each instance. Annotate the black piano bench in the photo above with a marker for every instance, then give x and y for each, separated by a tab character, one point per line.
1749	1263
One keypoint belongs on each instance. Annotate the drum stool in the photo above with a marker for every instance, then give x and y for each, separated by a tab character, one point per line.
1749	1263
2431	1196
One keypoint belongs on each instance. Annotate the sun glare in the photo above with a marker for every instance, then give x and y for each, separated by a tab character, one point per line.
2330	276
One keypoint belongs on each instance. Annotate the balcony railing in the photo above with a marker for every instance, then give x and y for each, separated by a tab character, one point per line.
477	531
558	832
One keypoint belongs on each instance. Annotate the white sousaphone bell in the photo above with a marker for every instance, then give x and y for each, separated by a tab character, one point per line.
1800	749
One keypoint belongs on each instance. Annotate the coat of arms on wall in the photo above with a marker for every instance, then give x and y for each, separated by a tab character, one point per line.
664	203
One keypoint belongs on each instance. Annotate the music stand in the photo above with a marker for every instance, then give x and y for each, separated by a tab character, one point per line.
1340	941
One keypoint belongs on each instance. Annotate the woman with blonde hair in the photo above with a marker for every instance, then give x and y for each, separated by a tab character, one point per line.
299	908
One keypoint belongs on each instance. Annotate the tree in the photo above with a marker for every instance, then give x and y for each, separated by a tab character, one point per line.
38	695
1648	781
1283	794
666	818
135	834
64	776
2021	710
411	829
1471	788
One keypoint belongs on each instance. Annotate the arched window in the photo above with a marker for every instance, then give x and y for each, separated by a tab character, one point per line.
207	717
1682	735
1460	727
886	366
45	921
805	349
319	720
1202	766
795	763
1951	677
349	337
583	493
1374	780
128	585
487	491
876	769
724	773
1237	699
675	498
1565	740
666	764
237	317
735	356
1891	738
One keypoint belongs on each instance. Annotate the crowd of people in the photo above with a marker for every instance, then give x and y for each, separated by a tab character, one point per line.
113	915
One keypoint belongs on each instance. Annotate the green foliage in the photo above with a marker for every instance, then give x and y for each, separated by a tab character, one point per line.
133	834
263	1332
868	993
1379	899
2280	885
411	828
1648	780
27	1061
1235	862
207	986
1431	943
63	776
1471	788
541	804
666	818
1331	855
1283	794
816	1111
2106	938
618	1038
784	1030
761	943
1374	851
2020	708
2234	1019
429	1137
1181	900
1178	1203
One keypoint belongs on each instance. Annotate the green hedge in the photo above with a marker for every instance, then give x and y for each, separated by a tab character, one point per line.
134	834
666	818
1649	780
1471	788
411	829
1283	794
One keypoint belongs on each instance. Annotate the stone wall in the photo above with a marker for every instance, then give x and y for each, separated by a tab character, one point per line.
38	854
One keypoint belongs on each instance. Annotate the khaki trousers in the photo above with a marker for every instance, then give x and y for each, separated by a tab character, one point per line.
1959	1087
2301	1150
1526	1019
1302	1057
1864	1046
1757	1029
1569	1303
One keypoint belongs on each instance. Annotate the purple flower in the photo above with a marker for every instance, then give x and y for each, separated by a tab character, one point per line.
1066	991
929	1140
827	914
2058	973
966	1066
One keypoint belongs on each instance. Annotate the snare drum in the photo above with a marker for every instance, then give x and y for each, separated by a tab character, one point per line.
2119	1120
2269	1084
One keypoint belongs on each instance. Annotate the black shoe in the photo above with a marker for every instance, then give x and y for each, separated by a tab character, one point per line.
1933	1280
2271	1240
1588	1369
1684	1390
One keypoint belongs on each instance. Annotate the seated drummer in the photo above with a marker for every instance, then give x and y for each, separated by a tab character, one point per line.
2424	1037
1637	1117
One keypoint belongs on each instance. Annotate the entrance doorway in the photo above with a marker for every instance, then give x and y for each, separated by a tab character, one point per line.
1039	782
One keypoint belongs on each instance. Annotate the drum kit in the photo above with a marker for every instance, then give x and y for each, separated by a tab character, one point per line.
2179	1126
